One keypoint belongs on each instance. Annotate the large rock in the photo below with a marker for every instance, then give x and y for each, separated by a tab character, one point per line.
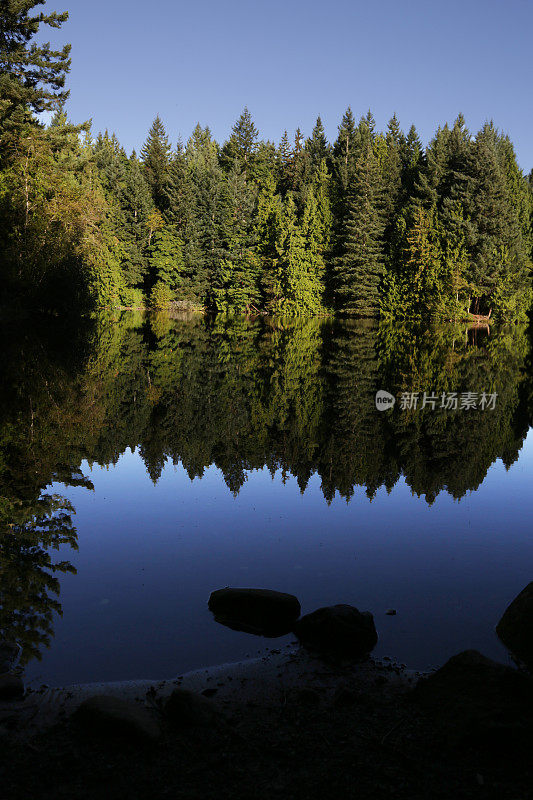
515	628
339	630
479	702
105	715
260	611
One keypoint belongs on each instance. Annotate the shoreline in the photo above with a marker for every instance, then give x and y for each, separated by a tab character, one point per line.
263	681
287	724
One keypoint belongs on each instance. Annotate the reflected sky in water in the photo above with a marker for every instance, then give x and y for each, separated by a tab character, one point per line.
150	556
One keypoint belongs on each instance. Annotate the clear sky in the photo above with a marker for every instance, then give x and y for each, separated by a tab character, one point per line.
289	60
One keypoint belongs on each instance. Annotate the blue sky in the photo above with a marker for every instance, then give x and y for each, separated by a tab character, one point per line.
290	60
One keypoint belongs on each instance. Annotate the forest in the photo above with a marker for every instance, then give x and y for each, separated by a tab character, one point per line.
373	224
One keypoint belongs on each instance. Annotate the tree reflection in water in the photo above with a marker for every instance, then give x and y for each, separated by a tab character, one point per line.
290	395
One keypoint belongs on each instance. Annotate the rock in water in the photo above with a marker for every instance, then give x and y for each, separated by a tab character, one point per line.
515	628
479	702
339	630
106	715
260	611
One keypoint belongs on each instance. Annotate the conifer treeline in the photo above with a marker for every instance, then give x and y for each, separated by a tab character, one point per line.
373	223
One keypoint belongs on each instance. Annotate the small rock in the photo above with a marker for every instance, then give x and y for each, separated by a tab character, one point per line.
260	611
184	708
340	630
106	715
515	628
11	687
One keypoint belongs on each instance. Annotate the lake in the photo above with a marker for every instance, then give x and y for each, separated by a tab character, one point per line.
146	461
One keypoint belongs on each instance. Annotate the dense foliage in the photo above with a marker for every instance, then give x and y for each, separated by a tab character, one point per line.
373	223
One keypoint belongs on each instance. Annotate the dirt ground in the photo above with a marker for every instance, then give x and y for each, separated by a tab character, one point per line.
314	731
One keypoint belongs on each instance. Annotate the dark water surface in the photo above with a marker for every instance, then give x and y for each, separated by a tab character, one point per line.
146	461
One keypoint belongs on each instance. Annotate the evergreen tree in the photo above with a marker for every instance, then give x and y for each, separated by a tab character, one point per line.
166	265
241	147
412	162
424	287
236	286
155	155
265	163
297	271
137	201
296	170
345	153
499	268
316	147
391	170
32	76
359	265
207	184
267	225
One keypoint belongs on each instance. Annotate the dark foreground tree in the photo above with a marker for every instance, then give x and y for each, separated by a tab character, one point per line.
32	77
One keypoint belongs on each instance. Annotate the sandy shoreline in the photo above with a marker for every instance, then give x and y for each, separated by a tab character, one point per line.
263	681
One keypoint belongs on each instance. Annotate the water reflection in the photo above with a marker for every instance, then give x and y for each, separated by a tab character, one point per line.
291	395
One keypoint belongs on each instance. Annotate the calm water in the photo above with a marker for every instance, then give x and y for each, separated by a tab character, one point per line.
145	462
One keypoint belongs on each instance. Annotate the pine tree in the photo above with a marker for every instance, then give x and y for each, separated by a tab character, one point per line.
265	163
296	168
207	182
359	264
424	285
155	155
241	147
345	152
267	224
315	232
391	170
136	200
166	265
183	214
236	284
32	76
499	268
112	164
412	162
290	265
316	147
